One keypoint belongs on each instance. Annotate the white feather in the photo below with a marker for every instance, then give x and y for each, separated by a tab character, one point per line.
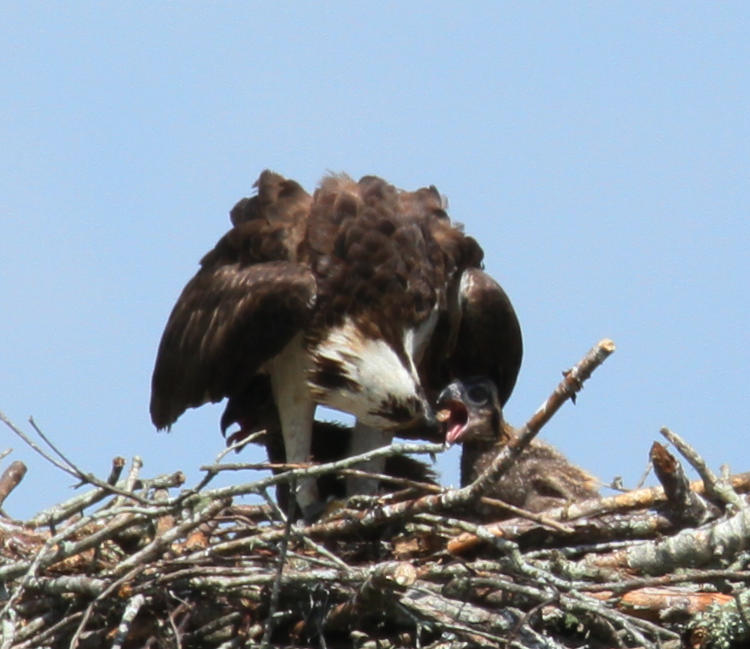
374	367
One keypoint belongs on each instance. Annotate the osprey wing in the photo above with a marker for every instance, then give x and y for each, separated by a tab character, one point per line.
489	341
229	320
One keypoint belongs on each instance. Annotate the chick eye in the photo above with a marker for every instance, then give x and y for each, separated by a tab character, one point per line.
478	394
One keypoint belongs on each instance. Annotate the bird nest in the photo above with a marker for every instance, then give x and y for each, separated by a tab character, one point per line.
137	562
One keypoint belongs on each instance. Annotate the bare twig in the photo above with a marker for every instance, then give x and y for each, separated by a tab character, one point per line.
685	506
297	472
78	503
239	444
598	507
567	389
70	469
118	463
135	469
35	446
687	548
103	591
717	489
128	615
161	542
276	588
10	479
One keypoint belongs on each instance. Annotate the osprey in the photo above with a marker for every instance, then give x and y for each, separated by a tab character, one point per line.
351	298
541	477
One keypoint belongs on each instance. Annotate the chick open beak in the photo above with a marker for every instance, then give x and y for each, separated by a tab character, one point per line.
452	413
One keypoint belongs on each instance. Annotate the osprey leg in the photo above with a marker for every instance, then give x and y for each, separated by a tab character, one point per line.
366	438
296	411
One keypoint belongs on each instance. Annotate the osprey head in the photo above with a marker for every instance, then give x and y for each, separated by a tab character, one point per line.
470	410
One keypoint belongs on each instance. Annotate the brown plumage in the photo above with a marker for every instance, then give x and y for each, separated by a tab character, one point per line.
480	336
540	478
357	298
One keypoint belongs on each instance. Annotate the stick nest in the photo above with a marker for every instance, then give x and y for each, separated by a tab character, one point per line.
136	562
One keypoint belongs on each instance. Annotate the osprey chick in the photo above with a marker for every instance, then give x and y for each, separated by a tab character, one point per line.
541	476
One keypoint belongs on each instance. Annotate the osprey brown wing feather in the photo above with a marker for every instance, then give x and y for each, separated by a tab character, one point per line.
377	260
228	321
489	341
244	304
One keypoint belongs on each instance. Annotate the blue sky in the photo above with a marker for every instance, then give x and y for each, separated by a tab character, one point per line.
600	153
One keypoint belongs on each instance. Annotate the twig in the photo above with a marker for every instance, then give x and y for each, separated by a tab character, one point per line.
10	479
467	619
74	471
314	470
571	384
685	506
135	468
101	595
57	547
64	510
688	548
118	463
619	503
128	615
308	471
239	444
35	446
163	541
276	588
717	489
48	632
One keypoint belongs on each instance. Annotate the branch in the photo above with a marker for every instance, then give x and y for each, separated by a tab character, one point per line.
77	504
128	615
163	541
571	384
10	479
685	506
68	468
512	528
688	548
717	489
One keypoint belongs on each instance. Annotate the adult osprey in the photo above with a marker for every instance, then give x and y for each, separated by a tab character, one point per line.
345	298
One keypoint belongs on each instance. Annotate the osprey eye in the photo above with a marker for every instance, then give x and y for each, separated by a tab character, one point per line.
478	394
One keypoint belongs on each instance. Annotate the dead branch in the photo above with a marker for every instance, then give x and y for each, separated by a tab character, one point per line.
64	465
64	510
683	505
689	548
10	479
717	489
571	384
596	508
